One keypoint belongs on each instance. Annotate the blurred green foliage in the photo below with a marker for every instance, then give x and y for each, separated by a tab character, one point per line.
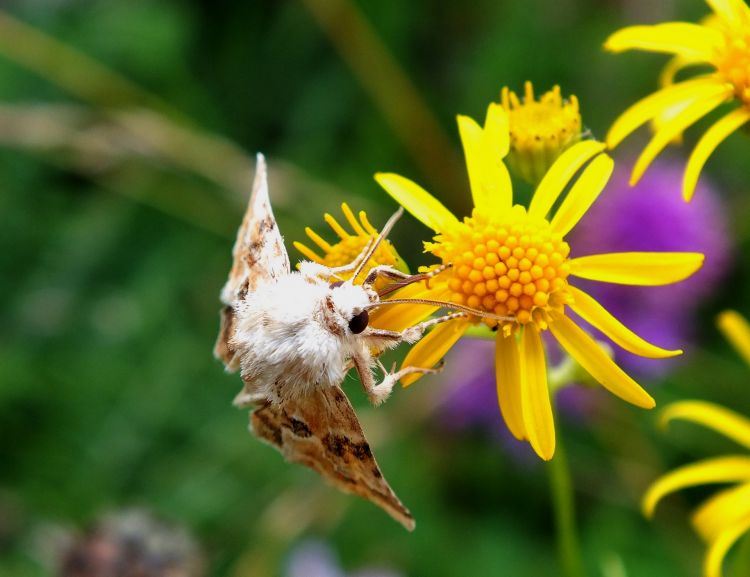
113	252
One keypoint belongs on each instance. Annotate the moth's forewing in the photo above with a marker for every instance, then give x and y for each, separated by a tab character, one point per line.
321	431
258	255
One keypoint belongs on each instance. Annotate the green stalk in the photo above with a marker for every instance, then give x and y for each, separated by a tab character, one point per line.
561	487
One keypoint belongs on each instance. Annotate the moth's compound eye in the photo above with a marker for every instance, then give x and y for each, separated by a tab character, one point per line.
338	283
359	322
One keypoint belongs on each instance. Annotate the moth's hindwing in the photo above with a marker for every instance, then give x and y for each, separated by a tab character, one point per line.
321	431
258	256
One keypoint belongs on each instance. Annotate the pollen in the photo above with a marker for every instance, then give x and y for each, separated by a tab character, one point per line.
733	63
508	265
540	130
350	244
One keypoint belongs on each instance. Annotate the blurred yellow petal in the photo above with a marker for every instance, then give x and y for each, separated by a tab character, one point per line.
508	379
595	361
490	183
683	38
558	176
717	470
427	352
736	330
721	510
583	194
715	417
734	12
714	136
653	104
676	125
537	409
595	314
721	545
673	67
637	268
415	199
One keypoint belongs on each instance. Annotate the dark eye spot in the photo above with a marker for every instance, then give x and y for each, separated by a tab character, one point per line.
338	283
359	322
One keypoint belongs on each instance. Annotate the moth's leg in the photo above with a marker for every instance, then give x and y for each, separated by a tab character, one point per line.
405	279
386	271
392	377
377	393
246	399
413	333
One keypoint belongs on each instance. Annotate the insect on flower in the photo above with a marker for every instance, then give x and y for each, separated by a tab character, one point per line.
294	335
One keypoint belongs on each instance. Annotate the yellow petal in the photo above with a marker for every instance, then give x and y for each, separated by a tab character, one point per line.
721	545
717	470
734	12
683	38
595	314
637	268
676	125
671	68
353	222
715	417
307	252
399	317
427	352
496	133
560	173
508	379
535	403
489	179
707	144
736	330
420	203
595	361
583	194
723	509
653	104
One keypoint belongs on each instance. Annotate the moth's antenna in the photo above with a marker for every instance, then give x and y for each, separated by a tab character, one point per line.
374	246
445	305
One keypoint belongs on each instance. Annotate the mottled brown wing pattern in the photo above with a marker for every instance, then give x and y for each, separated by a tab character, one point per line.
258	255
321	431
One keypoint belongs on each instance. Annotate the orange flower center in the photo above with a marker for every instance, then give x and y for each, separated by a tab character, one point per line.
507	265
734	64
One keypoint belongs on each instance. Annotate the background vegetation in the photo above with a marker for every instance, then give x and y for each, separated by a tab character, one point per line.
127	130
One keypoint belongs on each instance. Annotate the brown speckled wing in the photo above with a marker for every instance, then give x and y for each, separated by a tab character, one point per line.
321	431
258	255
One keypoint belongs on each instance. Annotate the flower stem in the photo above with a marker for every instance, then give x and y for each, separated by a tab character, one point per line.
561	487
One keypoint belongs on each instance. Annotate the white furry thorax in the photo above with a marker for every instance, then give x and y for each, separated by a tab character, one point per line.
293	334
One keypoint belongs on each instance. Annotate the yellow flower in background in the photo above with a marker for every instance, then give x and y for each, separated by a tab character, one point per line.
725	517
723	43
509	260
350	244
540	130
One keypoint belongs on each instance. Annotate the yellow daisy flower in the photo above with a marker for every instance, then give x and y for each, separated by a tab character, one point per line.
540	130
725	517
721	42
510	260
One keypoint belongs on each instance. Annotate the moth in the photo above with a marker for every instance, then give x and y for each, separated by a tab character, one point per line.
294	334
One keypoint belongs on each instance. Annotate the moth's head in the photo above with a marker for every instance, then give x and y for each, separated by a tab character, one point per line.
349	303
